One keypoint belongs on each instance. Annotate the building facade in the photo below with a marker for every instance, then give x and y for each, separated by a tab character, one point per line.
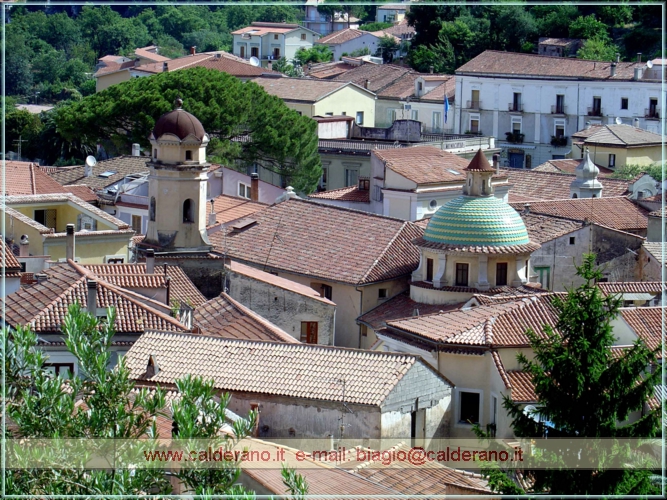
271	41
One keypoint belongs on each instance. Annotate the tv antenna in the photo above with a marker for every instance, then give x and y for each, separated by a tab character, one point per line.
254	61
618	120
19	141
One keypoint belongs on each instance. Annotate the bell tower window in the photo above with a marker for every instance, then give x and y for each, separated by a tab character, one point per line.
151	210
188	211
188	155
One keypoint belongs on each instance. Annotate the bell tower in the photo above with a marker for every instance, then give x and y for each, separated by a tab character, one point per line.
478	176
177	184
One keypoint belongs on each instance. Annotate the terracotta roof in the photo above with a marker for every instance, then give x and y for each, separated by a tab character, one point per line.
277	281
523	390
233	65
401	29
659	397
542	228
351	193
424	164
330	69
44	305
438	94
64	198
479	163
120	165
341	36
180	123
181	287
9	261
532	185
487	325
184	62
25	178
83	192
427	479
294	370
497	360
401	88
586	132
230	208
224	317
27	220
146	54
614	212
299	89
567	167
558	41
654	287
624	136
489	249
657	213
493	62
655	249
259	29
400	306
332	243
113	66
380	76
646	322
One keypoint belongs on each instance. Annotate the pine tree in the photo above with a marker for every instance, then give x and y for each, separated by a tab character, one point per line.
586	392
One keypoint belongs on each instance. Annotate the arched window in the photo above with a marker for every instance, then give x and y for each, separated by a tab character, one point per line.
594	196
151	209
574	195
188	210
188	155
155	153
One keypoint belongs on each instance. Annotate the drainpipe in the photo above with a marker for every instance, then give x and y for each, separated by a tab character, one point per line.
361	308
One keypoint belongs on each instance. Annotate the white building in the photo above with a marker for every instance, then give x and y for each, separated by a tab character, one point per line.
533	103
323	23
271	41
347	41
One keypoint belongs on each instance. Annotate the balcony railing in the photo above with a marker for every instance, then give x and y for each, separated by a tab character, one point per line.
514	137
558	141
558	110
473	104
652	113
515	108
594	111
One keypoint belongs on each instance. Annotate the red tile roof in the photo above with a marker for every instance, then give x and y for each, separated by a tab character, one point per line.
542	228
654	287
646	322
523	390
9	263
615	212
265	28
380	76
230	208
83	192
224	317
351	193
323	241
329	70
400	306
341	36
26	178
299	89
567	167
424	164
492	62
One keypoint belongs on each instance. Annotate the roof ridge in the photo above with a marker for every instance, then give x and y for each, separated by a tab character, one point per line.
501	369
345	209
384	251
32	178
50	305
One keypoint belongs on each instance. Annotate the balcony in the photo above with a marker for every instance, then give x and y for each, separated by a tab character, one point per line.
652	113
515	107
558	141
558	110
593	111
514	137
474	105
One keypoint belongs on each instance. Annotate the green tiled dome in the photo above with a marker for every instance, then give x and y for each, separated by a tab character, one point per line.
476	221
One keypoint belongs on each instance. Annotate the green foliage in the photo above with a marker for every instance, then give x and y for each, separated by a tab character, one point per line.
585	392
316	54
589	28
359	52
615	15
23	124
296	484
630	171
423	58
554	20
375	26
281	140
387	46
282	65
598	50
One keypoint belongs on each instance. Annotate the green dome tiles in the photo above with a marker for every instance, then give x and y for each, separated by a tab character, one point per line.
475	221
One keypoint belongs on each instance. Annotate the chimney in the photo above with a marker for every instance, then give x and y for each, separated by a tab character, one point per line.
366	83
588	125
254	186
618	58
70	242
150	261
526	208
24	246
211	215
496	162
41	278
167	280
193	51
136	149
638	74
639	57
269	65
612	69
430	69
92	297
165	66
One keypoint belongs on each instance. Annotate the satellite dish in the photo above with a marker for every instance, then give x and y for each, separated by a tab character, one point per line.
649	64
254	61
618	120
91	161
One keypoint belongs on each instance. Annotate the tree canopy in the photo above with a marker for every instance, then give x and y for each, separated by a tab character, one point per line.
246	124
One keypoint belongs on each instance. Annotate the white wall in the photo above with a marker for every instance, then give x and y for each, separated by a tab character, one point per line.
363	41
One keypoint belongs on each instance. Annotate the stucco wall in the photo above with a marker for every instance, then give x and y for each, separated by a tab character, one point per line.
107	81
348	100
336	166
283	308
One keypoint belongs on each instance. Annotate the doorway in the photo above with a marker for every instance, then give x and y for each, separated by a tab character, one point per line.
417	427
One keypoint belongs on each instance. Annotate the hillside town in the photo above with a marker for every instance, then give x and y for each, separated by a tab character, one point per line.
350	251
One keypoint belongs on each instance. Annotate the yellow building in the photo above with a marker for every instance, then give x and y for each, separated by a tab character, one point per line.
323	98
42	221
615	146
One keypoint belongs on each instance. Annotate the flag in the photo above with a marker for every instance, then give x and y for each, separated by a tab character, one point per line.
446	108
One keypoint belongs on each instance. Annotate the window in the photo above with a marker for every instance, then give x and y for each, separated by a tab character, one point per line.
64	369
275	37
382	293
276	53
612	161
543	274
254	51
433	204
474	99
303	36
326	292
429	269
344	113
188	155
136	223
516	125
360	117
529	163
351	176
414	114
244	190
188	211
309	332
574	195
469	407
461	274
501	274
652	108
46	218
243	51
516	101
474	124
391	115
560	104
437	120
597	106
330	113
624	103
572	240
494	409
377	193
324	176
155	153
420	86
559	128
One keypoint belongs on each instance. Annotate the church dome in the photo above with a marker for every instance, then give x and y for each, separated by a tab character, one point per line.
179	123
472	221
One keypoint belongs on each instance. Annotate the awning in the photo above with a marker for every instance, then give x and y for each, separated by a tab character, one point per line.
510	145
638	296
